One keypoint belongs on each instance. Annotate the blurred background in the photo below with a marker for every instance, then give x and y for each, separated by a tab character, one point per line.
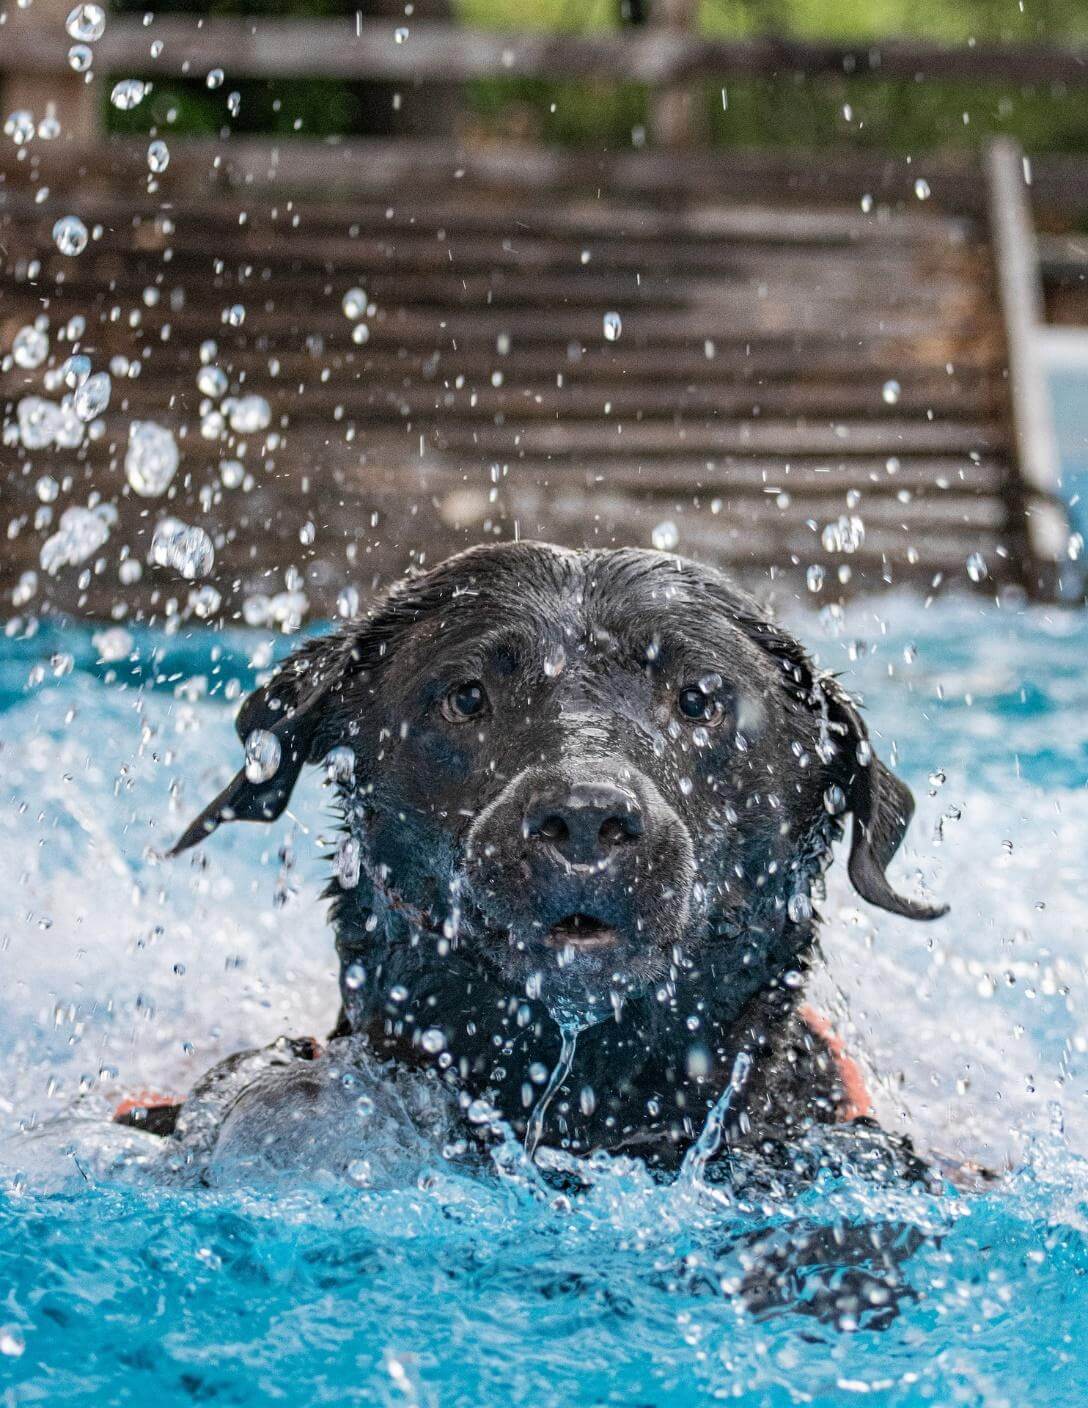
791	287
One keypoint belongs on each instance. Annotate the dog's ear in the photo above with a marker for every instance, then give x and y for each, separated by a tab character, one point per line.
294	708
881	804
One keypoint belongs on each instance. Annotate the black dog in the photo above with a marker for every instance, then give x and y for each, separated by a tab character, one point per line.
581	791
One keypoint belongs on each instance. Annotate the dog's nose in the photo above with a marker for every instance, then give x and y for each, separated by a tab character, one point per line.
586	823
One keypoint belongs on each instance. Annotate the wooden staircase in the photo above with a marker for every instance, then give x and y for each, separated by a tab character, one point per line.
810	393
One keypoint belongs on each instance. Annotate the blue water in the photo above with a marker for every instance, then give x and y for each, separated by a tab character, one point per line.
416	1281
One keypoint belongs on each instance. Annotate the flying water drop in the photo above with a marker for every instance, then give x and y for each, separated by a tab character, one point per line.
87	23
693	1169
92	398
158	156
80	534
151	460
70	235
354	303
348	863
568	1031
263	756
666	536
30	347
128	94
186	549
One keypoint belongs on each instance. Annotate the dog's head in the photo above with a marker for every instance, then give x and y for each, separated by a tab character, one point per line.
587	771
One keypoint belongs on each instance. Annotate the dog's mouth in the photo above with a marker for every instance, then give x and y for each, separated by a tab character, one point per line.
581	931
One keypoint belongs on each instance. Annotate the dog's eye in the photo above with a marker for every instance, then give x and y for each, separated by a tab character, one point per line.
698	706
465	701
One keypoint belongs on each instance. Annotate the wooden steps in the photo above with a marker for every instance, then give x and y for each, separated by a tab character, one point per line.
797	384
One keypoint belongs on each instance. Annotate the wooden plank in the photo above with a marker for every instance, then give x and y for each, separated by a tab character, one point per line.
619	218
773	297
1021	296
311	396
755	437
432	51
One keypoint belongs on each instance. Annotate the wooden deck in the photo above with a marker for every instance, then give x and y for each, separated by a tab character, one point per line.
812	390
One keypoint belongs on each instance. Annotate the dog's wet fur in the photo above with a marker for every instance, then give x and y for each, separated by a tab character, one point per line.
585	789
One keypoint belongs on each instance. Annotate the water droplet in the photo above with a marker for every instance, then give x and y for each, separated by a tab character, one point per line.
12	1342
158	156
433	1040
30	347
665	537
976	567
354	303
613	326
212	382
400	35
19	126
70	235
93	396
76	370
247	414
81	533
348	863
814	577
263	755
347	602
555	662
214	78
86	23
80	58
340	764
187	550
846	534
151	460
921	188
205	601
360	333
232	473
834	799
354	976
39	421
235	315
112	644
891	392
799	908
307	533
128	94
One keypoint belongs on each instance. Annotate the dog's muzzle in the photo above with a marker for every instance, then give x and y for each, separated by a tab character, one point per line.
575	860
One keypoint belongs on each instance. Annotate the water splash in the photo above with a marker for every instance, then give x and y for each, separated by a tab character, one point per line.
693	1169
569	1028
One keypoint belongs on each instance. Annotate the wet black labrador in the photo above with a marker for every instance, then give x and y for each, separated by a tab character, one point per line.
588	791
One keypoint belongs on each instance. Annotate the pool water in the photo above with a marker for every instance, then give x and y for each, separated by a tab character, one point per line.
416	1280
